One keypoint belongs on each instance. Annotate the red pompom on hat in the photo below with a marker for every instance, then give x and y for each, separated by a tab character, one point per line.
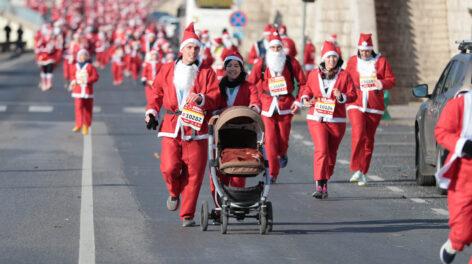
329	49
189	37
275	39
234	55
365	42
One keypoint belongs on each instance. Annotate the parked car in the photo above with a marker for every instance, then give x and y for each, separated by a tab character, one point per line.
456	75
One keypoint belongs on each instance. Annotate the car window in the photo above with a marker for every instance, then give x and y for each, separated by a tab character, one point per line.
442	79
453	76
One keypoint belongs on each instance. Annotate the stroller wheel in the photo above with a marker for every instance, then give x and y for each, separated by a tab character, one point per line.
204	216
224	221
270	217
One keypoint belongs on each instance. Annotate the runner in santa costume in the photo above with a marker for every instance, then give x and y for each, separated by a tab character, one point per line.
45	56
151	67
454	132
259	49
117	62
289	45
275	78
186	91
372	74
309	56
84	75
327	91
235	91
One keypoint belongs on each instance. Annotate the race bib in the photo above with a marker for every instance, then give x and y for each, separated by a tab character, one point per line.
277	86
325	107
192	116
82	77
368	83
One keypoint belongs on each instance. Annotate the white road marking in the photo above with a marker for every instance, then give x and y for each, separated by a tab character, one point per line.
344	162
134	110
394	133
395	144
440	211
307	143
87	233
97	109
297	136
3	108
418	200
394	189
40	108
375	178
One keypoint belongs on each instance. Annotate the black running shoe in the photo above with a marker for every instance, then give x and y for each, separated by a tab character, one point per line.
445	256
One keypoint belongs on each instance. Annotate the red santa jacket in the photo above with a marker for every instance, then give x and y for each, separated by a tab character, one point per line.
281	103
313	89
150	70
207	57
309	54
289	46
45	53
163	94
371	101
84	78
243	95
456	117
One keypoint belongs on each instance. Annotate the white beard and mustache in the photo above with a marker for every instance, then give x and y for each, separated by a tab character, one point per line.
184	77
275	60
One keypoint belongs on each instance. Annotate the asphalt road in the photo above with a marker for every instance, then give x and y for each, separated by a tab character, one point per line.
50	214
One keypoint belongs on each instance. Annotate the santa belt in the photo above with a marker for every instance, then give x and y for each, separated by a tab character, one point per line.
177	113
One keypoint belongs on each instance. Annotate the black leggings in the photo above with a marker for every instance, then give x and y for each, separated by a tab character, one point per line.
48	68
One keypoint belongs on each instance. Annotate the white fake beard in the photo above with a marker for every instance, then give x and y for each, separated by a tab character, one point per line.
276	60
184	76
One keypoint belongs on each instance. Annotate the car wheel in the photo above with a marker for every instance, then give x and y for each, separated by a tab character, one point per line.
421	179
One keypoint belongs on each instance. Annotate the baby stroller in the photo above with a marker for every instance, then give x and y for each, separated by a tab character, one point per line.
235	147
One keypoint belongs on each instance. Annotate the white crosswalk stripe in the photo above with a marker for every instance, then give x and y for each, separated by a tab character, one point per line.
3	108
40	108
395	189
440	211
97	109
375	178
134	110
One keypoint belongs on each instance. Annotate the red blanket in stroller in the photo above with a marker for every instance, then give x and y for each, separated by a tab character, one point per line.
241	161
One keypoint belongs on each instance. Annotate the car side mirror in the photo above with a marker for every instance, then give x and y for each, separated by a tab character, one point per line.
421	91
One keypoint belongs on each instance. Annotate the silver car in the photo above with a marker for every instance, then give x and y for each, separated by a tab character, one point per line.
456	76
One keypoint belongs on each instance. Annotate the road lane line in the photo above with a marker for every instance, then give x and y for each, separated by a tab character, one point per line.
344	162
3	108
375	178
418	200
87	232
399	144
134	110
307	143
40	108
97	109
440	211
395	189
297	136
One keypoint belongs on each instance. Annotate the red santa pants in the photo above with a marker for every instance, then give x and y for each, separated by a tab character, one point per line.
363	126
66	70
83	111
460	217
135	67
183	168
117	72
326	138
277	133
102	58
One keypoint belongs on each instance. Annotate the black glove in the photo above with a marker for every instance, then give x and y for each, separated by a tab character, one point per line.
467	150
153	123
144	82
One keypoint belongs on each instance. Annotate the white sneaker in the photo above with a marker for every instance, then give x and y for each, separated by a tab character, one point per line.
355	177
362	180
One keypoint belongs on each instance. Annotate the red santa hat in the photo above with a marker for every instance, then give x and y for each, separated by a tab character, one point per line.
205	33
218	41
283	29
275	40
329	49
189	37
234	55
268	29
333	37
365	42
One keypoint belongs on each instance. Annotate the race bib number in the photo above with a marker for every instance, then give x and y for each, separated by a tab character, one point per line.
368	83
277	86
192	116
325	107
82	77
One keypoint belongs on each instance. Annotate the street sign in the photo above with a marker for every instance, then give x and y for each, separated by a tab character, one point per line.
238	19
